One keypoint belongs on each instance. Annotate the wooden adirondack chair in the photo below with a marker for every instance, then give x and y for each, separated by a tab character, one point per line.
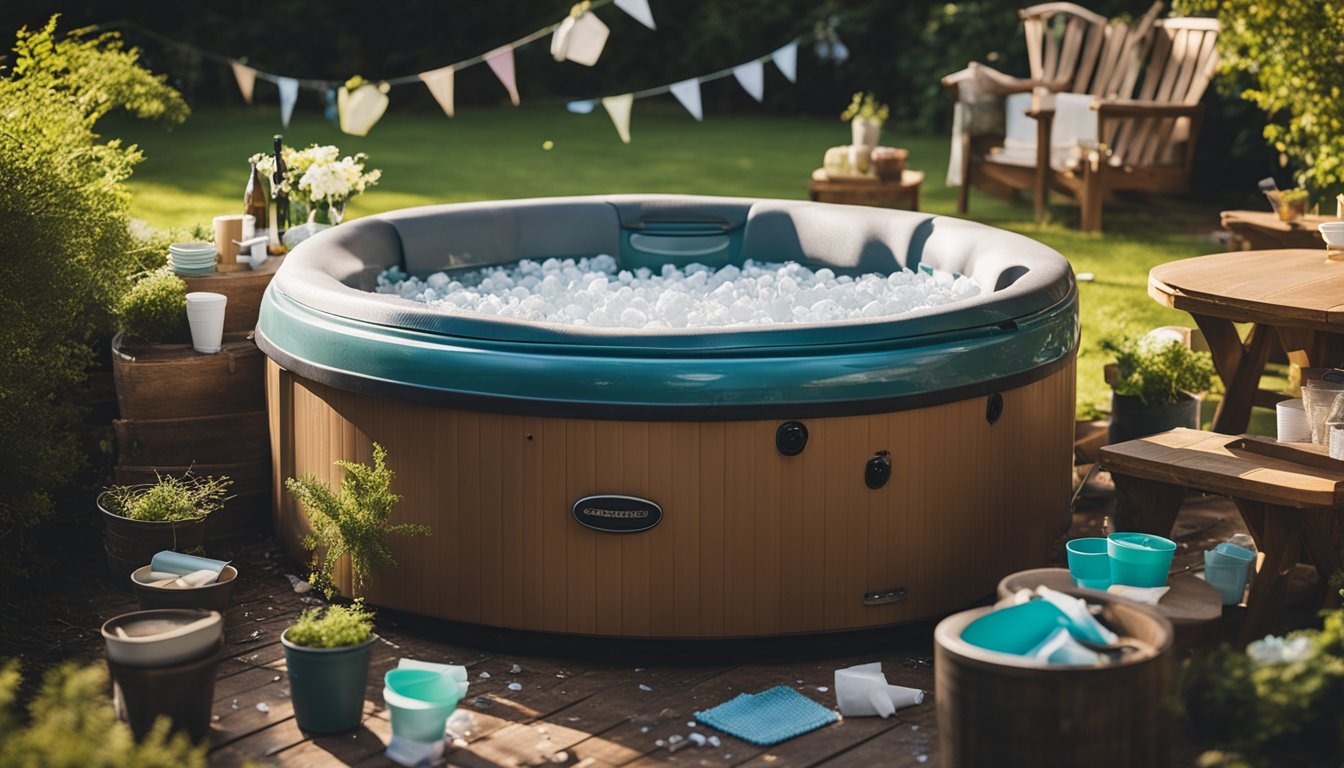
1087	68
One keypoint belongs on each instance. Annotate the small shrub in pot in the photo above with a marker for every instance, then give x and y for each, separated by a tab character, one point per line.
1154	389
327	656
155	309
140	520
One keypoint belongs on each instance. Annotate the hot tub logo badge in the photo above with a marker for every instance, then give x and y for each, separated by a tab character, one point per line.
617	514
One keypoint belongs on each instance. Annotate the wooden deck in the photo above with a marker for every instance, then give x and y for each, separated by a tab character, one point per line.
567	712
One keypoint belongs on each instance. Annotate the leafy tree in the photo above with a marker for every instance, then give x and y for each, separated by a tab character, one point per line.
1292	55
72	725
65	248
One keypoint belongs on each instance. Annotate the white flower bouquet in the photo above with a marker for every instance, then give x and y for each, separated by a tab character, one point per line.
319	179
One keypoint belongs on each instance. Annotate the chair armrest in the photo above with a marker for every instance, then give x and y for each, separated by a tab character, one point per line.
987	79
1107	108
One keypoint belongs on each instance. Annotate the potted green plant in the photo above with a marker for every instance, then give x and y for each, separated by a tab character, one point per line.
353	523
155	309
865	115
1155	386
140	520
327	659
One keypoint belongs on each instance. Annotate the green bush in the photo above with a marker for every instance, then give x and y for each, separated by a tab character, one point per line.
72	725
337	626
353	522
1288	59
65	249
1159	371
171	499
155	308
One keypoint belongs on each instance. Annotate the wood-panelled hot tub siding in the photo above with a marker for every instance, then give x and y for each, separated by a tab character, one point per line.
751	542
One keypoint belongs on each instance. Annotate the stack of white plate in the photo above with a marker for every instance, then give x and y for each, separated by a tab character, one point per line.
192	258
1292	422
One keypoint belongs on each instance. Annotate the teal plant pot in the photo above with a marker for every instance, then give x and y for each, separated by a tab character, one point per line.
327	685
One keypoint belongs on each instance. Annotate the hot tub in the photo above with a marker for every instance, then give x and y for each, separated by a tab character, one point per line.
710	483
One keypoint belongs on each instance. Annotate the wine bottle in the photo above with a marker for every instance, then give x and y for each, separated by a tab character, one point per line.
277	188
254	201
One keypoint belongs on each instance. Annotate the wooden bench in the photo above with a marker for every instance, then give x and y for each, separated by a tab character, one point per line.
1290	496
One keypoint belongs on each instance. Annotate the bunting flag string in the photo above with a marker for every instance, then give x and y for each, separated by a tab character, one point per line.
440	85
688	93
786	61
501	63
289	93
751	76
246	77
618	107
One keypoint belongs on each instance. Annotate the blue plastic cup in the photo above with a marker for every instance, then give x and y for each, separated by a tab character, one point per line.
1227	574
420	702
1089	562
1140	559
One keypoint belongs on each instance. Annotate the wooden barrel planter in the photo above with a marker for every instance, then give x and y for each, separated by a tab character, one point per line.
130	544
171	381
998	709
248	511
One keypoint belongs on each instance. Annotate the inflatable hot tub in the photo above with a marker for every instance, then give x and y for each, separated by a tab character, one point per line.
715	482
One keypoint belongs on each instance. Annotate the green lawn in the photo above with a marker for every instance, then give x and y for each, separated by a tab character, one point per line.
199	169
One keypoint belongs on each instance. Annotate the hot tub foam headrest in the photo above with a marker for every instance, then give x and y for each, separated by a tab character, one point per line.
335	270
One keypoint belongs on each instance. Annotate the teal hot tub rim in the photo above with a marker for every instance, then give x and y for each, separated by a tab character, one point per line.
316	322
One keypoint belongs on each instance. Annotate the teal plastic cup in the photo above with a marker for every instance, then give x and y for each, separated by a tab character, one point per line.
1089	562
420	702
1228	574
1140	559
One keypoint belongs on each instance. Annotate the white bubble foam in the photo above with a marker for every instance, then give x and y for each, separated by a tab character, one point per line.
593	292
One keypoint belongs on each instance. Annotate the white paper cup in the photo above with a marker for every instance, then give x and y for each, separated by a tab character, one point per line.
205	314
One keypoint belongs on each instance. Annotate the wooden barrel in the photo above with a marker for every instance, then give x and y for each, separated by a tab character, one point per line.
246	513
130	544
169	381
997	709
244	287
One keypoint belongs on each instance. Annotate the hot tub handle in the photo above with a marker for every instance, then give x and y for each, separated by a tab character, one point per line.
885	596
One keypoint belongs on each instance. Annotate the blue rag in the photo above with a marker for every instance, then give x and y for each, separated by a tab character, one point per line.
768	717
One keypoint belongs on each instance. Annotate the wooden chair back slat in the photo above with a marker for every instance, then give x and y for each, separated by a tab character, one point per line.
1050	52
1087	63
1069	48
1035	29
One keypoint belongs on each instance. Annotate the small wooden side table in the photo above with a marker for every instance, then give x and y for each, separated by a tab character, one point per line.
867	190
1263	230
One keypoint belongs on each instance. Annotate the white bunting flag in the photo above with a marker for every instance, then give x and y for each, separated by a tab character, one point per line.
639	10
501	63
688	93
752	77
361	108
440	85
289	93
786	59
246	77
619	109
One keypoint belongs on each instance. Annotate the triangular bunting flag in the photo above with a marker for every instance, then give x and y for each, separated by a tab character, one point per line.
440	85
246	77
786	59
619	109
752	77
639	10
289	93
501	63
688	93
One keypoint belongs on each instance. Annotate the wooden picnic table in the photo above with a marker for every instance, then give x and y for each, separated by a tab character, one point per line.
1263	230
1293	296
1290	495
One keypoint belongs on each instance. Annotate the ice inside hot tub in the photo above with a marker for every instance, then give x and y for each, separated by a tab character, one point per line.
593	292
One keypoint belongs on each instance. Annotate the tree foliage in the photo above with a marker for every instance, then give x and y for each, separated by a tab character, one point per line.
65	249
72	725
1292	56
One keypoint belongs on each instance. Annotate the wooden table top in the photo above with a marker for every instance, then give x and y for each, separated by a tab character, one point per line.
1189	601
1241	466
1270	220
1294	287
821	181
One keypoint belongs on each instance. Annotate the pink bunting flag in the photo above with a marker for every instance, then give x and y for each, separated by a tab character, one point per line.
501	63
440	85
246	77
752	78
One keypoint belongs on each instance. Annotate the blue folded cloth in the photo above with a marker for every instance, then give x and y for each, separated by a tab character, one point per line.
768	717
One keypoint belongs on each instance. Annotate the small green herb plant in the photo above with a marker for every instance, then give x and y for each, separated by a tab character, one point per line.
171	499
353	522
70	724
336	626
155	308
1294	196
865	106
1159	371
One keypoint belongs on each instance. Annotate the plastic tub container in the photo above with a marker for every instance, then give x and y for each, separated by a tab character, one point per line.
420	702
1090	562
1140	559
